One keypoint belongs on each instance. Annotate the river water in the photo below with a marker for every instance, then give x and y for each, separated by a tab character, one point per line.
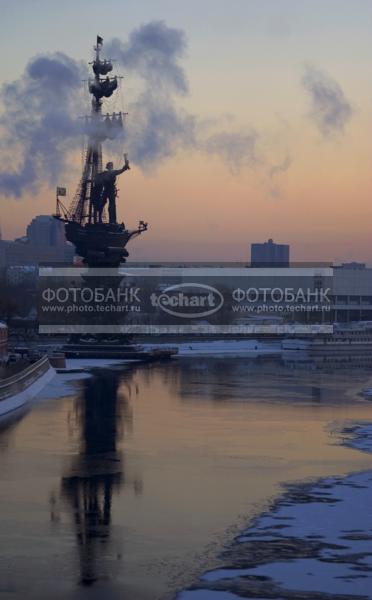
128	483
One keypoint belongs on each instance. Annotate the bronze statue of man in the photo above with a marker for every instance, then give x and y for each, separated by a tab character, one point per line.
105	190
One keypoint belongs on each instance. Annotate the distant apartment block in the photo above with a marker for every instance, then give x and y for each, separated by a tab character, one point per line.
46	231
44	243
353	265
269	254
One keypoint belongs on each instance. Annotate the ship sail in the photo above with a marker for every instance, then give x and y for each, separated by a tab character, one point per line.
102	67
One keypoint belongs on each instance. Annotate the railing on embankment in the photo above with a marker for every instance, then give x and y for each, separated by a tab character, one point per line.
22	380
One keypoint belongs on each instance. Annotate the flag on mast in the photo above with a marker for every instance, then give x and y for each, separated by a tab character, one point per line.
61	191
99	40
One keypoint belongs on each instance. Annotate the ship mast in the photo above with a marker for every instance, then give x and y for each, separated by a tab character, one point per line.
99	129
96	146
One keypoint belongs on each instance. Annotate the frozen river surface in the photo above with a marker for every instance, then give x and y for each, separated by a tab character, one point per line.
135	482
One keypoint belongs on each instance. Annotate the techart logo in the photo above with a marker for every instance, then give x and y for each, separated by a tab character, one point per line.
189	300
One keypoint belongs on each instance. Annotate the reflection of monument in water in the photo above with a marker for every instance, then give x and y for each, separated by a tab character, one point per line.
97	472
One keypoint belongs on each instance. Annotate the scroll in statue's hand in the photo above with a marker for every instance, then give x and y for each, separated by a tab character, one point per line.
126	162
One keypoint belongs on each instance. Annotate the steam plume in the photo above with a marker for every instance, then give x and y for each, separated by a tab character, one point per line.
330	109
38	123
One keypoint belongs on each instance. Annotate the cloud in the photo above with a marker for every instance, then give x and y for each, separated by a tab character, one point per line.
330	109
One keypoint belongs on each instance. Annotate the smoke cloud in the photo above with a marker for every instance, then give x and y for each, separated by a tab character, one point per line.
330	109
157	127
153	52
281	167
237	150
39	124
275	172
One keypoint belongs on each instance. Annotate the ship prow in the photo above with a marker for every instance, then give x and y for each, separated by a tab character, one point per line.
101	244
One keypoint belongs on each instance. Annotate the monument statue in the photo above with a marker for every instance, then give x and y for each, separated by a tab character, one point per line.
104	191
99	241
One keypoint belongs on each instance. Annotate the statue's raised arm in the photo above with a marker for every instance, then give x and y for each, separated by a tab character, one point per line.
125	167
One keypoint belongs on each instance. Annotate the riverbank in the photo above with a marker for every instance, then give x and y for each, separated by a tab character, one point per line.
226	348
26	382
315	543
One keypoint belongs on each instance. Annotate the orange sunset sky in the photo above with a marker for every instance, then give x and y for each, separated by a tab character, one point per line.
297	72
